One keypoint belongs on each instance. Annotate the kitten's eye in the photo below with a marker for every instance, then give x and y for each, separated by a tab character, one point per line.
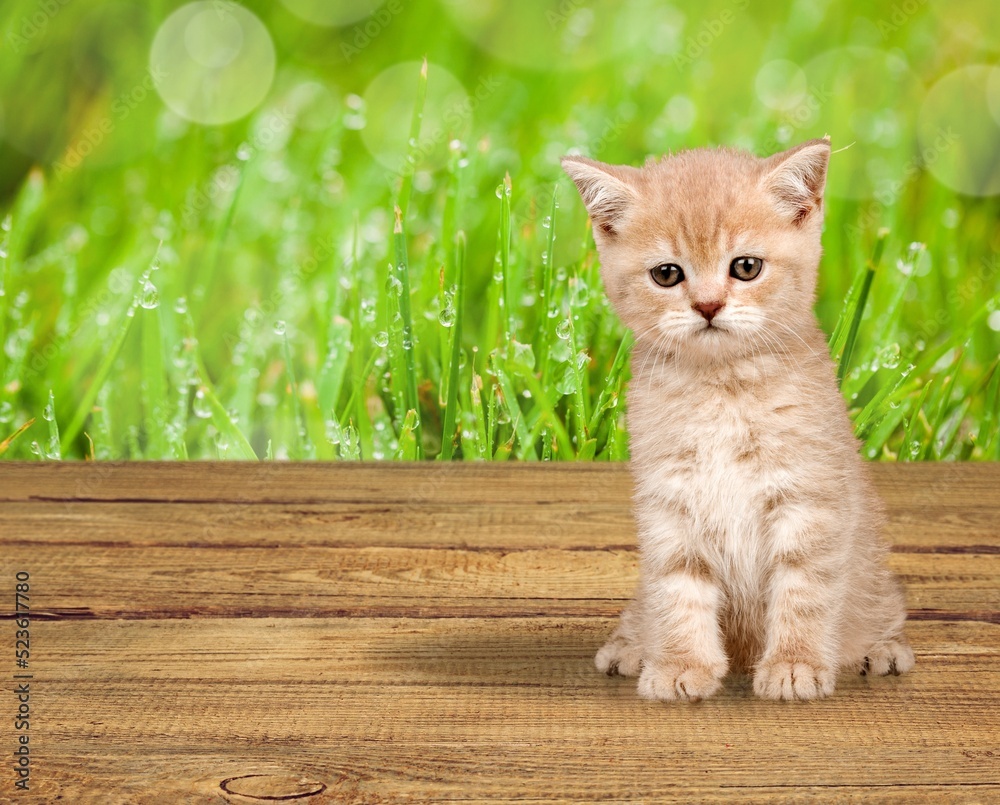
667	275
746	268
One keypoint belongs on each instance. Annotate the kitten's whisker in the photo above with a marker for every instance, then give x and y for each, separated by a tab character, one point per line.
809	349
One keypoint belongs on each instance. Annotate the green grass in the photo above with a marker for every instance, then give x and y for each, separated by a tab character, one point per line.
270	289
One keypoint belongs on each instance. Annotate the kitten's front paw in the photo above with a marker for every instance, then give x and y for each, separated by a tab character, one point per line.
792	680
688	683
617	657
895	657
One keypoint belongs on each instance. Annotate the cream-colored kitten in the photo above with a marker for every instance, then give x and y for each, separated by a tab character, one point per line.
759	529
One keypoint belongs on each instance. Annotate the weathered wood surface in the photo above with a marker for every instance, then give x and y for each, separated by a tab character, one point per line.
361	633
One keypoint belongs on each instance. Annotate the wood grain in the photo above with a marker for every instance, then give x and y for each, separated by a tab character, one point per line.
358	633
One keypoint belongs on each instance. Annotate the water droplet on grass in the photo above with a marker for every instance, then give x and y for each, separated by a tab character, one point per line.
6	412
381	338
279	327
447	316
888	356
149	297
181	305
350	449
49	411
563	329
202	409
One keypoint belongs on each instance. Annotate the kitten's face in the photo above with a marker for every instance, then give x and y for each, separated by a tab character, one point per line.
709	254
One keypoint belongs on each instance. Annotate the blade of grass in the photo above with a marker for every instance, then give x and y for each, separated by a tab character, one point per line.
508	306
408	438
413	142
154	391
303	445
53	450
612	384
6	443
909	440
220	416
402	270
546	294
100	377
451	400
859	304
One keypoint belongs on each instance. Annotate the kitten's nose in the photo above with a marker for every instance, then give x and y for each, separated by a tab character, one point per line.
708	309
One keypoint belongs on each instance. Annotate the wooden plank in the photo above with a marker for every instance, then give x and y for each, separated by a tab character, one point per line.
179	582
601	524
912	487
481	709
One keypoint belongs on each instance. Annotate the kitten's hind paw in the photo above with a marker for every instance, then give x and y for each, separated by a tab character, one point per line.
894	657
792	680
668	683
619	658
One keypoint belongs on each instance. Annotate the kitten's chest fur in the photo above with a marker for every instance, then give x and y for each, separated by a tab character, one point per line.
716	448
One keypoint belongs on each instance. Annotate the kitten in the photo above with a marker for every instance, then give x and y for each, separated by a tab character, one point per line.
759	530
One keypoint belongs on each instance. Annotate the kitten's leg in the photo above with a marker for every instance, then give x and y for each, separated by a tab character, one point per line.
800	653
890	654
685	657
892	657
622	654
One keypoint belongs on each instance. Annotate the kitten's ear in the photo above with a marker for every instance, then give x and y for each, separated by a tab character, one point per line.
607	190
795	179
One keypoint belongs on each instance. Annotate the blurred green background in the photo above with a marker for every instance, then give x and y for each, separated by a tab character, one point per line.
198	256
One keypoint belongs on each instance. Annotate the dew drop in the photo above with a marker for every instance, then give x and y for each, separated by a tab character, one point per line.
279	327
6	412
563	329
202	409
149	297
447	316
49	411
181	305
350	449
888	356
381	338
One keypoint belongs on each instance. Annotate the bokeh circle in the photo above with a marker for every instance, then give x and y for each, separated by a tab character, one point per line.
388	104
212	62
332	13
877	87
562	34
959	131
781	84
